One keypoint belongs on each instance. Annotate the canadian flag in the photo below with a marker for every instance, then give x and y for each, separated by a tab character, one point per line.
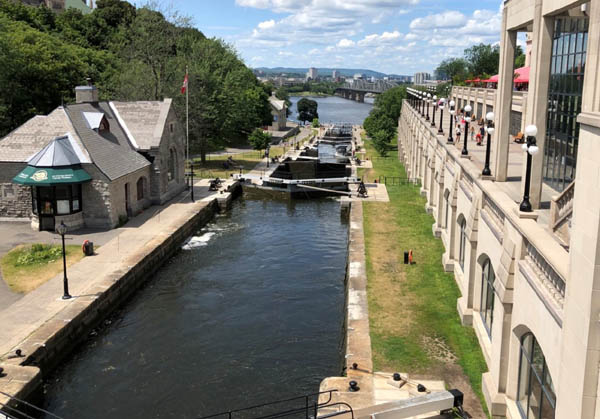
185	84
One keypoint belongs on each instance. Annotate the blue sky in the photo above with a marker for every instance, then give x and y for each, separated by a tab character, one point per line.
391	36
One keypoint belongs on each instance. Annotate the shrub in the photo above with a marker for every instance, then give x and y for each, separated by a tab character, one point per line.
39	253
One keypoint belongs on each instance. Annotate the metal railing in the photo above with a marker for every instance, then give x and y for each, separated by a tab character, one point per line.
398	180
17	408
307	406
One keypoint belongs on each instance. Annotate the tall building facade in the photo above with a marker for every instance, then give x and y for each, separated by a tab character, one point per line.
312	73
419	78
529	281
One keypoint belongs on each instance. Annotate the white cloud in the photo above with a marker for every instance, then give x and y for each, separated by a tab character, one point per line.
384	38
448	19
346	43
266	24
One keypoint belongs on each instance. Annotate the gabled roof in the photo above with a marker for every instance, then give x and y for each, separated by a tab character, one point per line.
62	151
276	103
143	121
110	151
26	140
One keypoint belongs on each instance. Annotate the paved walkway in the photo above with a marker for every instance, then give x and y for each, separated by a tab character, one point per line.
513	187
88	277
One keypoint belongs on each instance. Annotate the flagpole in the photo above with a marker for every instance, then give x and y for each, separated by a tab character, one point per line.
187	116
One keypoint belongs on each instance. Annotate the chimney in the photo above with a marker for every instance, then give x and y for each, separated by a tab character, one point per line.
87	93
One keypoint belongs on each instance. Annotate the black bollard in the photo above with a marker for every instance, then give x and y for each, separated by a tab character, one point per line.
406	258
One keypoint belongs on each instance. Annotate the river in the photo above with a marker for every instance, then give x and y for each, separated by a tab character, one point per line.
251	310
336	109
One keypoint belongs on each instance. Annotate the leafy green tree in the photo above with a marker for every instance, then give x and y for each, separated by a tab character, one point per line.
452	69
259	139
381	141
315	123
483	59
307	109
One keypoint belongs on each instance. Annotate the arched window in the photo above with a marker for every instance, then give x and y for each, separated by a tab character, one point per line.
487	295
535	393
172	164
463	242
140	188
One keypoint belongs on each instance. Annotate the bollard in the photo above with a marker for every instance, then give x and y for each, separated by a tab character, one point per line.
406	258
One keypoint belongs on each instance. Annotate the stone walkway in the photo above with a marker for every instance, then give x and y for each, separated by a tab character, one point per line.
21	318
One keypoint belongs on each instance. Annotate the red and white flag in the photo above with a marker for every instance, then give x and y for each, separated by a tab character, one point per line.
185	84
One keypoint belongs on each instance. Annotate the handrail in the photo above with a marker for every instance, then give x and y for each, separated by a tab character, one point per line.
29	405
306	408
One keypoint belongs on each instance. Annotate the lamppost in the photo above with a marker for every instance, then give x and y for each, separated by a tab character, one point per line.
62	230
427	100
531	148
435	105
490	130
468	108
441	105
451	111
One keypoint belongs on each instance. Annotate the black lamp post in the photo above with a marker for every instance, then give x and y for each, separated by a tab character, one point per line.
435	105
421	109
441	105
465	152
192	180
490	130
451	111
531	148
62	230
427	100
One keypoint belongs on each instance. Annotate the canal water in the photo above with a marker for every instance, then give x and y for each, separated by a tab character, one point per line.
336	109
250	310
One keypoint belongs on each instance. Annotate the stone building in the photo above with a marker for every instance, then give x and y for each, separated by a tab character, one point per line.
530	281
133	153
279	112
61	5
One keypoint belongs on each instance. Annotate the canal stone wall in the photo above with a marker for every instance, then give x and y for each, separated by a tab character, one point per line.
54	337
358	356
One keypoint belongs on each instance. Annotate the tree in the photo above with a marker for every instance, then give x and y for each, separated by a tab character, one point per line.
259	139
483	59
519	57
315	123
307	109
452	69
381	141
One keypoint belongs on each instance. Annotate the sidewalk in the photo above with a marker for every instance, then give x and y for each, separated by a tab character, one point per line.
94	275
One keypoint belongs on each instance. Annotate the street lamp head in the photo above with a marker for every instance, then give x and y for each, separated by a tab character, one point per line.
434	97
531	130
533	150
467	119
452	111
490	130
489	116
61	228
452	103
524	147
428	95
468	108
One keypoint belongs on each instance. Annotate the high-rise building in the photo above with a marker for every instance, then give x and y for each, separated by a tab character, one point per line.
335	74
312	73
419	78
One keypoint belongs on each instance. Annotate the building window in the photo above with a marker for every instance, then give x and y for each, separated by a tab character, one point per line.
567	66
463	242
536	398
56	200
487	296
172	164
140	188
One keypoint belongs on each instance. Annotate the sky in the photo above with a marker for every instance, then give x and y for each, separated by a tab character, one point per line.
390	36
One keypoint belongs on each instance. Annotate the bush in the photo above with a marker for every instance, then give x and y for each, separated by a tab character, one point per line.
39	253
315	123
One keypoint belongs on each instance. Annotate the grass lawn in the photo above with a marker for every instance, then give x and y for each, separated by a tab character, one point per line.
25	273
414	324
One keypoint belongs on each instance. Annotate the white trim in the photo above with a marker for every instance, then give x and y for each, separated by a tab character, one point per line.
122	123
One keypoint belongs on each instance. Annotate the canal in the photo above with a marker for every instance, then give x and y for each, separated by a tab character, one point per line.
336	109
250	310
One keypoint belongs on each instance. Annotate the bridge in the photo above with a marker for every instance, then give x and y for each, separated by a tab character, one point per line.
357	89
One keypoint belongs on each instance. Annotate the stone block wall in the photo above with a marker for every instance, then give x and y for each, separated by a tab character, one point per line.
15	200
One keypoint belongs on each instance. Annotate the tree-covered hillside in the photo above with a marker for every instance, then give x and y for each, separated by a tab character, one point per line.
130	54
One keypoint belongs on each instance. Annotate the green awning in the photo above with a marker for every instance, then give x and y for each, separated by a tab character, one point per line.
48	176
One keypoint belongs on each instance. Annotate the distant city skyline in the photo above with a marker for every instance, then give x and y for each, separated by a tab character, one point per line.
388	36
